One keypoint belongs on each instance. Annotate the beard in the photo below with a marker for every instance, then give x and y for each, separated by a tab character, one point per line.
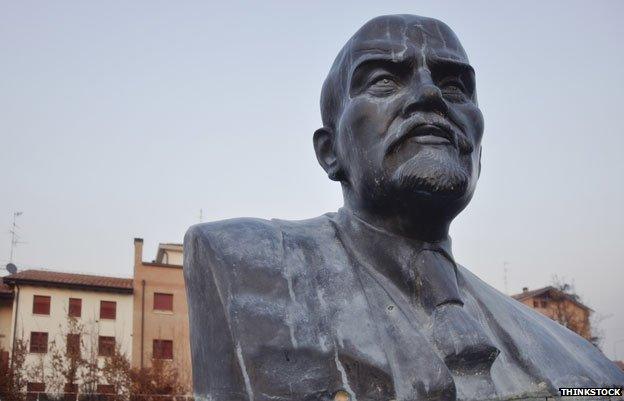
432	173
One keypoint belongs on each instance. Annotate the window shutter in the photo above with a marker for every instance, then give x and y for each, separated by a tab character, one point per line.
38	342
41	305
75	307
73	345
106	346
162	349
38	387
163	302
105	389
108	310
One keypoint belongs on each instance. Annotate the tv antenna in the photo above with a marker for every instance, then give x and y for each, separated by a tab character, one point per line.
15	239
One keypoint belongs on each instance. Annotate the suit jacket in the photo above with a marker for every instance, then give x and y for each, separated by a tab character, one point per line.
297	310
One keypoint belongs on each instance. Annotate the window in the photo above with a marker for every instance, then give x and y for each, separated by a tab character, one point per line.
73	344
106	389
35	386
108	310
38	342
535	304
163	302
41	305
75	307
71	392
4	360
544	304
33	390
162	349
106	346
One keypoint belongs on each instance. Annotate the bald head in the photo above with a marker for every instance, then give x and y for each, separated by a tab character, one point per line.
394	37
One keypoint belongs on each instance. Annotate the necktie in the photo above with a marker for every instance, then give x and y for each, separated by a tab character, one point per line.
459	338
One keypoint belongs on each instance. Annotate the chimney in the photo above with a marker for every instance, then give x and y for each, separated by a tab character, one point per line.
525	289
138	252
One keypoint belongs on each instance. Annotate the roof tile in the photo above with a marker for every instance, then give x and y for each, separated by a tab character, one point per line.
69	279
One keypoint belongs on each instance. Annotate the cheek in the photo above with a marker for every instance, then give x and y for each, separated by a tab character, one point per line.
363	124
475	119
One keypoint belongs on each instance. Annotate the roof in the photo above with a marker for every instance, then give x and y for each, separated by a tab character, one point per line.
5	291
70	280
545	290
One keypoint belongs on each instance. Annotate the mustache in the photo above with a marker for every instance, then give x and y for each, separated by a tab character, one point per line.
429	124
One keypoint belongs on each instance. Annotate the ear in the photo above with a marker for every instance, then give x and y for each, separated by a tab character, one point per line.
479	175
324	147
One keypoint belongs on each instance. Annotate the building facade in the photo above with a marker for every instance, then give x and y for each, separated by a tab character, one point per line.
53	312
161	324
6	312
560	306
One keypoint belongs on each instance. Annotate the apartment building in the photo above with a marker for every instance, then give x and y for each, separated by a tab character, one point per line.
161	325
6	307
560	306
53	311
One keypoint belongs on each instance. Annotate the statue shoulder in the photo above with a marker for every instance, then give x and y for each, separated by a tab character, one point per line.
252	247
237	238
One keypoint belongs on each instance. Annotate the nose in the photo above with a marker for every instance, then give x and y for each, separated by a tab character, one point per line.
425	96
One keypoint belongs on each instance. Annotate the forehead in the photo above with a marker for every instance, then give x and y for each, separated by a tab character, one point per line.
399	36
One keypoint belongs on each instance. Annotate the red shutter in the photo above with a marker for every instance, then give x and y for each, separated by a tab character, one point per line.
162	349
168	349
70	392
106	389
75	307
41	305
38	342
108	310
163	302
73	345
40	387
106	346
33	390
4	361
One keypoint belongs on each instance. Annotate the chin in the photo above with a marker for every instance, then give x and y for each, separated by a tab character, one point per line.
432	177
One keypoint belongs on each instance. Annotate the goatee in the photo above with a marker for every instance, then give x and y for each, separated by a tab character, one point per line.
432	173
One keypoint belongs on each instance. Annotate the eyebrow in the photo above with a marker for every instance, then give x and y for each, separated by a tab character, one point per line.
376	59
383	57
455	64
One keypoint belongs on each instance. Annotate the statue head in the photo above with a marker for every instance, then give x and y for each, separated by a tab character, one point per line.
401	126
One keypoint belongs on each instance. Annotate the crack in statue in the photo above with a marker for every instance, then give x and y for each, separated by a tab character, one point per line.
368	303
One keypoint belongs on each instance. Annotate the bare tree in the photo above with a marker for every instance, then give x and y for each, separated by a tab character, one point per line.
566	312
118	373
66	361
161	378
90	368
13	375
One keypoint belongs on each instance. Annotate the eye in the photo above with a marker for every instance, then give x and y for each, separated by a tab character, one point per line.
453	90
384	85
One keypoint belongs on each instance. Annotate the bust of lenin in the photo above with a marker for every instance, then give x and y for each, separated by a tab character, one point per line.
368	303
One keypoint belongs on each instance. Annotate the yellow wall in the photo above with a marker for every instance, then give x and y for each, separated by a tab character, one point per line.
6	322
158	324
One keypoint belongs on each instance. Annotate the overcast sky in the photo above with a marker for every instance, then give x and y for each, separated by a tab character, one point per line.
124	119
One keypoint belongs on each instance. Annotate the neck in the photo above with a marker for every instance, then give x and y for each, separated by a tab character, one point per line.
417	222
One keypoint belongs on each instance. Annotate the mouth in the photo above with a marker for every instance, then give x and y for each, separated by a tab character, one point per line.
424	133
431	134
430	131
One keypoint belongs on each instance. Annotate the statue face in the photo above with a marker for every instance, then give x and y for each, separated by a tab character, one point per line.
410	127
